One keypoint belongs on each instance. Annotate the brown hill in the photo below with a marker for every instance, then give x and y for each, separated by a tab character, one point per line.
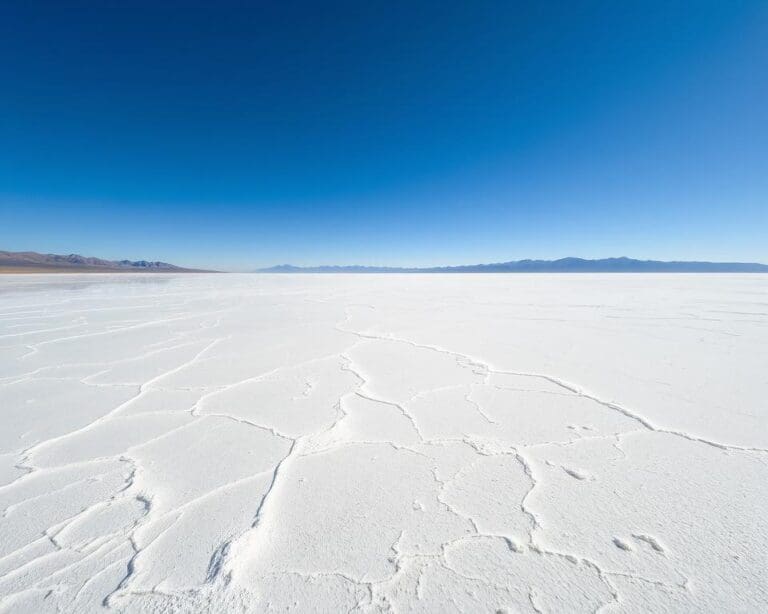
33	262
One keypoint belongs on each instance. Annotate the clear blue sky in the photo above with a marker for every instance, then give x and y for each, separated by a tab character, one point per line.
245	134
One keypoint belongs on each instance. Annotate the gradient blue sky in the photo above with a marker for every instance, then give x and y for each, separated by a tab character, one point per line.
237	135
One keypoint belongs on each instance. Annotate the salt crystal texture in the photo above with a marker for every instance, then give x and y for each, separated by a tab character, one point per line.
404	443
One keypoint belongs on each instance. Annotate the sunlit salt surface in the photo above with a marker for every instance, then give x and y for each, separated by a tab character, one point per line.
482	443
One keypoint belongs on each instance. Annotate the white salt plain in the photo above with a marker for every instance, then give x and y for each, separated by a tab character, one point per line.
481	443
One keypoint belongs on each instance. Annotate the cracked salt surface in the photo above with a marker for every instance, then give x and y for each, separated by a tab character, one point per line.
538	443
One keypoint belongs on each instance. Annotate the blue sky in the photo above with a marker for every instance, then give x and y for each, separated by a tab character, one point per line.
237	135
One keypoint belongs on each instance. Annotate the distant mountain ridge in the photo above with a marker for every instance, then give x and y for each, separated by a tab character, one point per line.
563	265
28	261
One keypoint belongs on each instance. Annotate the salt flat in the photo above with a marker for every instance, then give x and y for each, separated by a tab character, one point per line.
473	443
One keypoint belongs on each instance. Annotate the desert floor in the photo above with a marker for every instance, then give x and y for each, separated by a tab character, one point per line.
374	443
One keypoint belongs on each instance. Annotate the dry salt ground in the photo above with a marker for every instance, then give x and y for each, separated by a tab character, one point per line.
377	443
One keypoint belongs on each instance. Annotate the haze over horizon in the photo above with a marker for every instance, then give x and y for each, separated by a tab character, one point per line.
237	137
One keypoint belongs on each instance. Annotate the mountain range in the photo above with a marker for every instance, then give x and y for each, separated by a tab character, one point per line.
33	262
563	265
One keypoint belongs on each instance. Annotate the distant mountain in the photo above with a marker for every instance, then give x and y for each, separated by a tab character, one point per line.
33	262
563	265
